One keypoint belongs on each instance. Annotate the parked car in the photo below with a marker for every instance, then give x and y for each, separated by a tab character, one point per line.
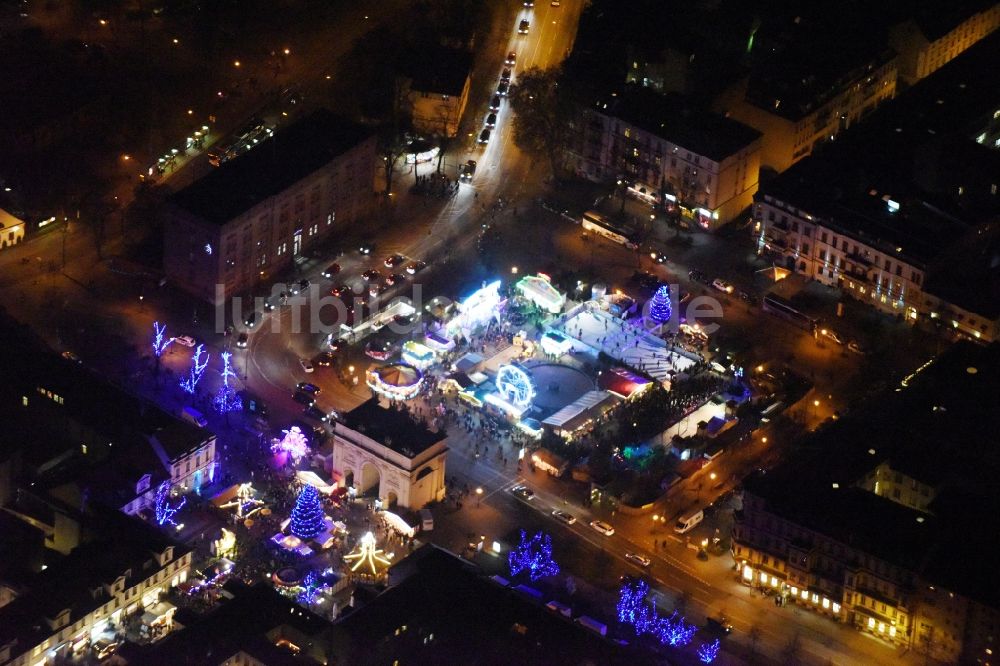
722	285
306	364
307	387
524	492
314	412
636	558
395	279
602	527
697	276
184	340
371	275
70	356
415	267
323	359
564	517
522	27
304	399
394	260
718	625
243	340
331	270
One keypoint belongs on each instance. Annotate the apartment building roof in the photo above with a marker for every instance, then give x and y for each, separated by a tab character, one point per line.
122	547
469	616
967	274
670	118
271	167
931	427
391	427
936	18
438	69
250	621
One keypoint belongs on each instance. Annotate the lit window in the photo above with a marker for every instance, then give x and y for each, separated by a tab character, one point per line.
774	582
747	573
795	590
815	598
763	577
83	449
836	607
24	401
871	623
805	594
881	627
892	632
826	603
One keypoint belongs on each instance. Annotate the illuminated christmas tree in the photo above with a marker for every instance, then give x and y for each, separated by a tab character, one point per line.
160	341
307	516
534	556
294	443
708	651
674	630
659	305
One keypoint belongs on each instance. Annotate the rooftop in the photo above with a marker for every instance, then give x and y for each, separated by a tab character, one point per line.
392	427
932	428
670	118
271	167
438	69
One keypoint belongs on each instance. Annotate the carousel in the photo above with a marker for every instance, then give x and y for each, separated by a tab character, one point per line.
399	381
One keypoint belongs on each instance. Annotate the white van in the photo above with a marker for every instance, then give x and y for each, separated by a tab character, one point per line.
194	417
688	520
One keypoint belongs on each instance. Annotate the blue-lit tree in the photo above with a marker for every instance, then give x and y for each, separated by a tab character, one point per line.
708	651
307	515
164	510
632	606
226	400
533	555
198	364
659	305
160	341
674	630
312	585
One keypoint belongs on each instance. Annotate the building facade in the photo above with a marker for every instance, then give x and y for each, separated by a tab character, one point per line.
436	89
243	223
382	453
791	132
699	165
924	47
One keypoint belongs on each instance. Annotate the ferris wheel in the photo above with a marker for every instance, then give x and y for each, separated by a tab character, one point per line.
514	385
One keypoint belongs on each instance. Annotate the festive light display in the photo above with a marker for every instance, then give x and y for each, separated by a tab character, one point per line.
632	604
294	443
160	341
226	400
198	365
312	585
673	630
708	651
534	556
161	505
307	515
514	385
367	553
659	305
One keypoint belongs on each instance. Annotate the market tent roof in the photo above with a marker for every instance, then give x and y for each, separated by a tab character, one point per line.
580	409
467	362
622	382
398	374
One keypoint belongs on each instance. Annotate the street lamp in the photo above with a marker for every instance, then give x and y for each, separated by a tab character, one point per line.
479	496
513	270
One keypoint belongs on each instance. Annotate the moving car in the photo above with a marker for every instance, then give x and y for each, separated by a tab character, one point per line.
372	274
495	103
70	356
323	359
394	260
697	276
365	249
395	279
718	625
307	387
529	3
722	285
484	136
415	267
243	340
339	290
505	75
252	319
555	3
304	399
602	527
336	344
636	558
314	412
503	87
331	270
468	171
522	27
564	517
184	340
511	58
491	121
831	334
524	492
306	364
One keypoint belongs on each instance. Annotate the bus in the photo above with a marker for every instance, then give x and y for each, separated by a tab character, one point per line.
780	307
598	224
